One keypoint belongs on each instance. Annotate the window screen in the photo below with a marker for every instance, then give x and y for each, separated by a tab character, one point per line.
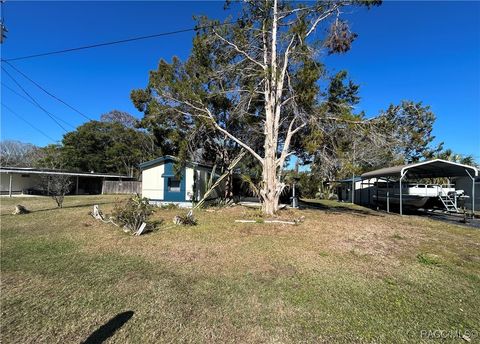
173	185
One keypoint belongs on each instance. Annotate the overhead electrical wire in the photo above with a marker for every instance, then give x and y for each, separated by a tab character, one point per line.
47	92
30	124
49	114
52	116
17	93
115	42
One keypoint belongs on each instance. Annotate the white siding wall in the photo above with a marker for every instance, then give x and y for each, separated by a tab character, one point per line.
19	183
202	183
152	182
189	180
204	177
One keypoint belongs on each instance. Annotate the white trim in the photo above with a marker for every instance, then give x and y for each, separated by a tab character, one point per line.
80	174
406	168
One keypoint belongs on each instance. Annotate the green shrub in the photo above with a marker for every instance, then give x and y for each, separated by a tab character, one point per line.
187	220
133	212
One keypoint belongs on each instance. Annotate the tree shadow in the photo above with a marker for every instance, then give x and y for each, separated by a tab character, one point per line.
82	205
108	329
338	209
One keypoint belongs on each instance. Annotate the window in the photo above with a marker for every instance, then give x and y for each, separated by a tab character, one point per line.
173	185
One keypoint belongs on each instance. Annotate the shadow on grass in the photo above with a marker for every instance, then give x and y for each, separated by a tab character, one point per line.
108	329
72	206
337	208
83	205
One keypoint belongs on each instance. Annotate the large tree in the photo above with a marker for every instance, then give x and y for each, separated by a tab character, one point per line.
450	155
16	153
106	147
411	125
260	64
341	142
328	143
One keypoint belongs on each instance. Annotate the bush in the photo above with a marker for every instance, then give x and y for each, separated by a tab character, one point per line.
57	186
187	220
133	212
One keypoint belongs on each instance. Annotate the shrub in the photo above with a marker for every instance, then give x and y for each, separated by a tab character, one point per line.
57	186
133	212
187	220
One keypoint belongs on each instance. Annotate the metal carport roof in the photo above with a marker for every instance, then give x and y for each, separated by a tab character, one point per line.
437	168
29	170
427	169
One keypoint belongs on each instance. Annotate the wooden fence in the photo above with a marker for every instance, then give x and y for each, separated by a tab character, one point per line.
121	187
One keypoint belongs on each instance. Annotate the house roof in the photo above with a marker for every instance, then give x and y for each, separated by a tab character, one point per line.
31	170
349	180
165	158
426	169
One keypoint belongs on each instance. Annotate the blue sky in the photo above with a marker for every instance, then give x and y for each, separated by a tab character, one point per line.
422	51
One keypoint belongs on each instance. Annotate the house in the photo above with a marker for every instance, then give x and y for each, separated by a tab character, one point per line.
26	180
162	184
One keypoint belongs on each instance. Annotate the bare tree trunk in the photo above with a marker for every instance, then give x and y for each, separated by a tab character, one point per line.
269	192
271	58
269	173
228	195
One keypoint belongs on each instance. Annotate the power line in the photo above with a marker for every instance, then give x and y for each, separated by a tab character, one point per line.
32	100
30	124
49	114
115	42
17	93
23	97
47	92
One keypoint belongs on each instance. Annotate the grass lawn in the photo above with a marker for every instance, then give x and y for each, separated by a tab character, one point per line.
344	275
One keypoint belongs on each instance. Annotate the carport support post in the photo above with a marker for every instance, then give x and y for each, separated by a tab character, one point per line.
388	198
473	193
353	188
401	200
10	186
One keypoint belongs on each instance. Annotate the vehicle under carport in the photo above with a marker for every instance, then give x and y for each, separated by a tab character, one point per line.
432	169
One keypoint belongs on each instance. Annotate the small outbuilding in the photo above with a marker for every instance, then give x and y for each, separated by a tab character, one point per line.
163	183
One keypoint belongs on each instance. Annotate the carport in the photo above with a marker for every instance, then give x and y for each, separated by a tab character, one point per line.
17	180
437	168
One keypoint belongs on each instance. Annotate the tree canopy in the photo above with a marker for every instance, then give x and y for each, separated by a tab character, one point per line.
111	145
253	81
16	153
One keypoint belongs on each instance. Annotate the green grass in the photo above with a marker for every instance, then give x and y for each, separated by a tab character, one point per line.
428	259
344	275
